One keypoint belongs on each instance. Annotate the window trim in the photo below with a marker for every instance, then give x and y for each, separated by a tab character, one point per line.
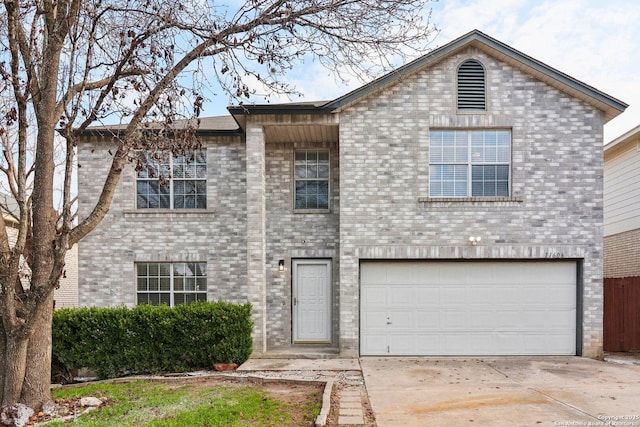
172	180
172	292
469	167
327	179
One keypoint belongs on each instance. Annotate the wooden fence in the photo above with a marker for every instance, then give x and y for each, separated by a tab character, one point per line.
622	314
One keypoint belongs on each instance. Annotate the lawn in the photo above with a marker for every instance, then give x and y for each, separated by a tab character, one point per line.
205	402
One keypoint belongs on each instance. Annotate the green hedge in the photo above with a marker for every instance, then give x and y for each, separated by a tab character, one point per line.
149	339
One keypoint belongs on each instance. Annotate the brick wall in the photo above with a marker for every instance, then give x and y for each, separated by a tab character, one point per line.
296	235
216	236
622	254
556	207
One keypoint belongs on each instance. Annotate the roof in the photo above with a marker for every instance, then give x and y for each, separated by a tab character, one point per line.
627	137
215	125
611	106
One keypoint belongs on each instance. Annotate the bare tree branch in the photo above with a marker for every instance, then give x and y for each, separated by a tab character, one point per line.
72	64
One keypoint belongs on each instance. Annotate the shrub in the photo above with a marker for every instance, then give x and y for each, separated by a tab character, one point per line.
149	339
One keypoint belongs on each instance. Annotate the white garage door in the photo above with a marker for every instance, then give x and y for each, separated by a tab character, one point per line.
468	308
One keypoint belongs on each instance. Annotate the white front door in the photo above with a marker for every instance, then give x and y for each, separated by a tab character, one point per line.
311	301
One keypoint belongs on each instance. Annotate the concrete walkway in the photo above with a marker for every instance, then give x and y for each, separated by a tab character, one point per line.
522	391
345	374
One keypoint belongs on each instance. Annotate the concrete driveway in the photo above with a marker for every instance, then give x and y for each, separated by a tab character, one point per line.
545	391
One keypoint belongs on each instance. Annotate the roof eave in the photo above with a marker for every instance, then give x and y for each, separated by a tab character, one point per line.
105	132
631	135
278	109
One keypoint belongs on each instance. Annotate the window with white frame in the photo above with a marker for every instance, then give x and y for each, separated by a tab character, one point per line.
311	179
469	163
171	283
168	181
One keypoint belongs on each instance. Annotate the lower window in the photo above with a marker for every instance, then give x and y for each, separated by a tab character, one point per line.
171	283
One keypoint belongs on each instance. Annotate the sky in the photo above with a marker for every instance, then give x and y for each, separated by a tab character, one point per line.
596	42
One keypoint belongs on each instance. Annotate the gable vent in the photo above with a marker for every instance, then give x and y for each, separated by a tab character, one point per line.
471	89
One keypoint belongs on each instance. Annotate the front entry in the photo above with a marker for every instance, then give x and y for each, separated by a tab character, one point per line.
311	301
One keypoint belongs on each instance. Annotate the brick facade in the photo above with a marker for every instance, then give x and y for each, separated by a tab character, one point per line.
622	254
379	201
216	236
556	205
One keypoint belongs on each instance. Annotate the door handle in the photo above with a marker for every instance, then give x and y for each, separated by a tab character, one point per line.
388	321
295	301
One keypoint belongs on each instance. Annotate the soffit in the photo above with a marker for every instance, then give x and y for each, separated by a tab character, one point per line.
312	133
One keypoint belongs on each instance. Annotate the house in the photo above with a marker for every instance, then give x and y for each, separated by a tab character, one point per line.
622	242
451	207
66	295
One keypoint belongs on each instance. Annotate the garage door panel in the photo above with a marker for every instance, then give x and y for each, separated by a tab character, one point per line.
562	294
558	319
537	344
479	295
402	343
374	295
468	308
506	317
449	274
374	319
453	295
401	295
556	273
463	344
400	319
375	273
480	319
452	320
427	320
510	342
426	344
538	295
426	296
374	344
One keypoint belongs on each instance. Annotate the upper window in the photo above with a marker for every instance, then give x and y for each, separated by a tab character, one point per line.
167	181
469	163
311	179
471	86
171	283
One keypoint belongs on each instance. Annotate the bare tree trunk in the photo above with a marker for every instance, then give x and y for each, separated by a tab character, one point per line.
15	365
36	388
3	357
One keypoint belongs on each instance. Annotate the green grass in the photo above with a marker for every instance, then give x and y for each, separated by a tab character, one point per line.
154	404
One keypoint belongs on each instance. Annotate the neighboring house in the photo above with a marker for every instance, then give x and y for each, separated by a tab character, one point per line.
451	207
66	296
622	242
